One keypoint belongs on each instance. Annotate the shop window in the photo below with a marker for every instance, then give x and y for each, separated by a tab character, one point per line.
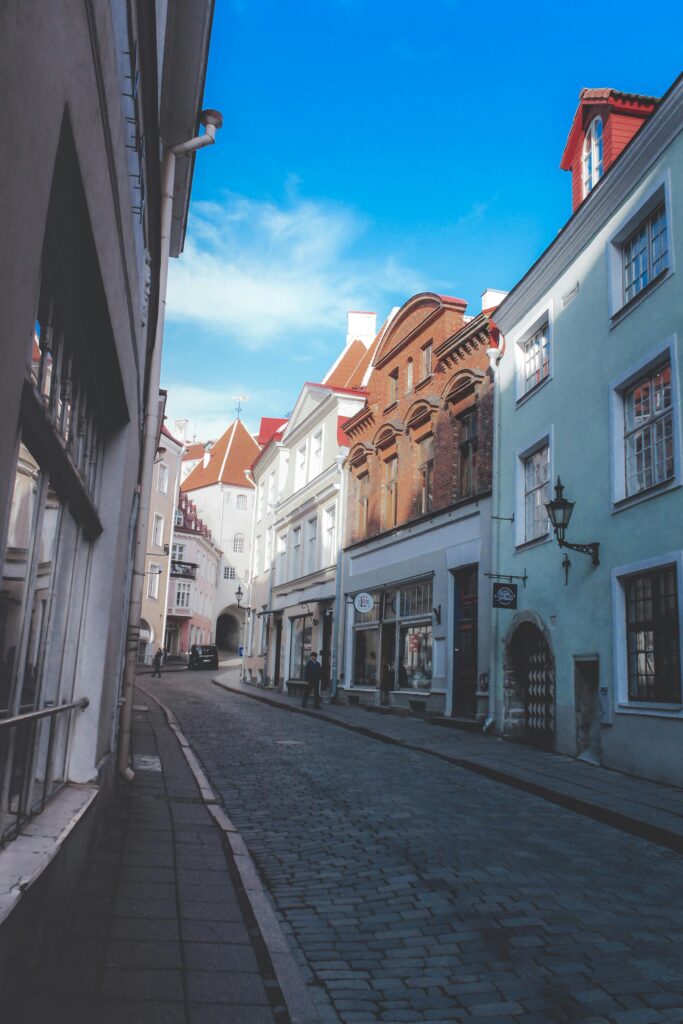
392	641
415	654
300	647
365	664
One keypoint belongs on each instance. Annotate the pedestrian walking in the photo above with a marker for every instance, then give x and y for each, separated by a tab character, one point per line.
158	657
312	674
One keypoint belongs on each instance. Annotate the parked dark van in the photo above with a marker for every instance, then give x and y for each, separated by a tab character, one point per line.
203	656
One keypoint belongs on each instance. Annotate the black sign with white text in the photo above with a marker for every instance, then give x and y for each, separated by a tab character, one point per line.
504	595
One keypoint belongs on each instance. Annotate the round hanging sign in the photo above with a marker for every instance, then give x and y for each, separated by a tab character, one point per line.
363	602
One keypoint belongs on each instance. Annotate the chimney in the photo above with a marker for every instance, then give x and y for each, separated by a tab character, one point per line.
491	297
361	327
180	429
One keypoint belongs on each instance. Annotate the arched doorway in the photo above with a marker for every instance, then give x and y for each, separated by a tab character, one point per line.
530	684
229	631
145	642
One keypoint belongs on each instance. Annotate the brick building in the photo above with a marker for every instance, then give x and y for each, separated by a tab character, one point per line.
417	513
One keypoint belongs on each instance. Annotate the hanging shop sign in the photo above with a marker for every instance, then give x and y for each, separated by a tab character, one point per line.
363	602
505	595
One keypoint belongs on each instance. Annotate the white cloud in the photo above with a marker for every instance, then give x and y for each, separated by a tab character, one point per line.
256	272
211	410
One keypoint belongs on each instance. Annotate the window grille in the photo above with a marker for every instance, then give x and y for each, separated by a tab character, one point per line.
536	470
653	643
645	253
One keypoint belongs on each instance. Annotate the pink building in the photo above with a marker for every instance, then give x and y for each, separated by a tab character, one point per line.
192	585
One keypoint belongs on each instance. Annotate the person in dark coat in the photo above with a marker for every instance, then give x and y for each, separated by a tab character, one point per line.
312	674
157	663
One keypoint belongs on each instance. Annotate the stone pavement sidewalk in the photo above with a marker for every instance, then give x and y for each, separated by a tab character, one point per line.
651	810
164	930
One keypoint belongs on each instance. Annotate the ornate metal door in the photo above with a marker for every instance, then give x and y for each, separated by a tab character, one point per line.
539	692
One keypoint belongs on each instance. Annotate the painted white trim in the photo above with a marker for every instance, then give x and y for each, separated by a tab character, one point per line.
518	338
544	437
659	189
617	387
620	670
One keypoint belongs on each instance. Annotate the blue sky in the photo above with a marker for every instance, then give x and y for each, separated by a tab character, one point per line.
372	149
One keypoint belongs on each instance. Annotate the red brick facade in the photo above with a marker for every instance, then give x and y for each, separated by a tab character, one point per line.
420	446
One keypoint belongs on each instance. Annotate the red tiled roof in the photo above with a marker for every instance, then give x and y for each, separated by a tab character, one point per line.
342	437
337	391
589	97
344	372
194	451
167	433
232	453
268	428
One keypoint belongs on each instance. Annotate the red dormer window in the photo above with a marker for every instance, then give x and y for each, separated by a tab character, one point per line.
592	156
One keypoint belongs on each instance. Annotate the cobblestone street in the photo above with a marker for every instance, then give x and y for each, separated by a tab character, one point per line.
416	891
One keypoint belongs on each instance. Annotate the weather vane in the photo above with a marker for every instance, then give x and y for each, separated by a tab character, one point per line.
239	399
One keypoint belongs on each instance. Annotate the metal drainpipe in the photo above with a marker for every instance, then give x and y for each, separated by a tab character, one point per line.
337	593
495	355
212	120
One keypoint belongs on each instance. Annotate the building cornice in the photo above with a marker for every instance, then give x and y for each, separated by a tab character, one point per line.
627	171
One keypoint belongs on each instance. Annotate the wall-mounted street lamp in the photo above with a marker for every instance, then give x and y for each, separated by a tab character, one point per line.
559	513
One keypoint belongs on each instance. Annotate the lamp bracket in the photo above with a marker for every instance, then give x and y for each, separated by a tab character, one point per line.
585	549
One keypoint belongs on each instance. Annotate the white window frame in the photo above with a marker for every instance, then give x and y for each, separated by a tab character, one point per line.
184	588
260	499
178	551
316	459
229	572
330	535
158	531
154	572
540	441
242	502
667	350
619	652
238	544
658	192
300	465
178	518
531	327
312	544
295	553
592	146
257	555
162	478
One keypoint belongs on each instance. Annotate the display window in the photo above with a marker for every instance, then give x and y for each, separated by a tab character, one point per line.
392	642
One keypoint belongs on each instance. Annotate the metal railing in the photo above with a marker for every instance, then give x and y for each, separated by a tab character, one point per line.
28	772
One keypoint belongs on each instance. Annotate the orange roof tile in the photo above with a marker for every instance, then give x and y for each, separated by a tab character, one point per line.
230	456
341	374
194	451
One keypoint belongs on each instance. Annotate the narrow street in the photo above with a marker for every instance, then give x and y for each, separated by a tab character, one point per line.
415	891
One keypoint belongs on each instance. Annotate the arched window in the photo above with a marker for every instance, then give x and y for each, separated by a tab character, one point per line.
241	501
592	155
238	543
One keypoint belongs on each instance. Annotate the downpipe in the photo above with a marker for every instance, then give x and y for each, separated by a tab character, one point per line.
212	121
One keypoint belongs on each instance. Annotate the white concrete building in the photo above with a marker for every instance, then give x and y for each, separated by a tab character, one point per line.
223	492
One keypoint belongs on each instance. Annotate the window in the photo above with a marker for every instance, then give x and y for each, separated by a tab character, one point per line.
409	376
300	478
284	471
645	253
311	545
467	437
536	356
592	156
536	473
162	478
241	501
158	531
329	548
426	361
392	383
317	453
390	493
652	636
281	557
362	513
257	555
182	594
300	647
295	564
271	490
229	572
260	499
238	543
178	552
178	517
648	431
426	471
153	581
392	643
